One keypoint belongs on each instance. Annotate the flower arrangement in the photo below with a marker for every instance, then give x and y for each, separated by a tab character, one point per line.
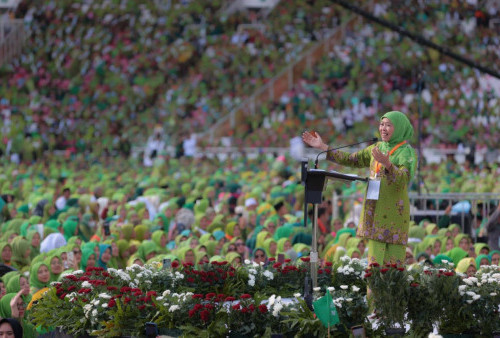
230	301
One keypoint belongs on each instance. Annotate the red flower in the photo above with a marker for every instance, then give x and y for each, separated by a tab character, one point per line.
190	280
175	264
112	288
449	273
214	262
414	285
151	293
222	263
141	307
125	289
320	271
263	308
251	307
205	315
71	277
230	299
375	264
368	274
236	306
210	295
394	265
272	259
197	307
71	288
209	307
305	259
126	300
187	264
231	273
244	310
276	265
401	269
328	271
328	263
63	295
197	295
111	303
384	270
245	296
85	300
220	296
288	260
191	313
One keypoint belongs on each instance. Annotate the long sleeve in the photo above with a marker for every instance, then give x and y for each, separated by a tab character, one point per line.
359	159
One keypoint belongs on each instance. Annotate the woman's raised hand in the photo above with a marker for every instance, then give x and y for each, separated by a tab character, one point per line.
313	139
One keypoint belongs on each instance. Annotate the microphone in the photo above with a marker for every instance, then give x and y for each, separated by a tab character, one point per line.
349	145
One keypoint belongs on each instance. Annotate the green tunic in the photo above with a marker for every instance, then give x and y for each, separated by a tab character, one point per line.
387	219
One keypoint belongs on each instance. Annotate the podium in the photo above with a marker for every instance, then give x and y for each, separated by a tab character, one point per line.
315	181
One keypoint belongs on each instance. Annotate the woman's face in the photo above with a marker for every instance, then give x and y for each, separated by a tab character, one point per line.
43	274
240	246
437	247
77	253
25	286
287	246
471	271
455	232
355	254
6	330
56	266
189	257
114	250
386	129
139	262
484	251
91	261
236	231
484	261
464	244
194	243
449	244
495	259
271	227
106	255
20	307
35	241
259	257
64	256
6	254
231	248
272	248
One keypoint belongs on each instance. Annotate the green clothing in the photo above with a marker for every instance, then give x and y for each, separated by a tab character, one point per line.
387	219
383	253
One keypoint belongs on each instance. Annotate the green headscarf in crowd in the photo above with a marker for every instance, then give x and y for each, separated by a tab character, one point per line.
403	131
34	281
19	248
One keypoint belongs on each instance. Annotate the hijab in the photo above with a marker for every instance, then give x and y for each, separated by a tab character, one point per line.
464	264
48	262
19	248
478	260
34	281
102	249
86	253
2	246
403	131
456	254
35	251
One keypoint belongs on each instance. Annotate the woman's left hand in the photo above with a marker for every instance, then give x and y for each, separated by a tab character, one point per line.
381	158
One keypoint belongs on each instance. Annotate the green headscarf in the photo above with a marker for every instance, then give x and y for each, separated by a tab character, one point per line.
8	276
35	251
5	311
464	264
48	261
19	248
403	131
2	246
456	254
459	237
267	246
140	232
34	281
440	258
86	253
156	237
127	231
478	260
479	246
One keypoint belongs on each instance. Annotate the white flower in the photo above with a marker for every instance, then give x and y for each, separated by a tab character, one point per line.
251	282
271	300
105	296
255	265
166	293
476	297
261	263
462	287
410	278
104	305
330	288
86	284
277	309
252	271
251	277
473	279
87	307
94	312
247	261
159	298
468	281
470	301
344	287
78	272
269	275
493	294
348	299
296	295
478	284
355	288
345	259
316	289
174	308
278	299
470	293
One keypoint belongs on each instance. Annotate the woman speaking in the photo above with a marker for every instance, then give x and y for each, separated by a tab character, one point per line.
385	216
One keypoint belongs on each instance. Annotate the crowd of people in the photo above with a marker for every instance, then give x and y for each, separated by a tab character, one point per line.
56	217
87	86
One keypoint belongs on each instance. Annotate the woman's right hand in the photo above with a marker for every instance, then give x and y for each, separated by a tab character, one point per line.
313	139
